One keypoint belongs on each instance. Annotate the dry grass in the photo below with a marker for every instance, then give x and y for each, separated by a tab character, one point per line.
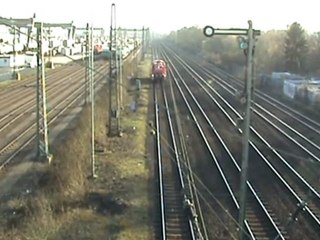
43	213
61	208
130	173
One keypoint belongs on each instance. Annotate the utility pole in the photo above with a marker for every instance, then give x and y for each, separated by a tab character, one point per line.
14	53
246	134
143	43
248	46
92	99
42	125
51	65
87	68
115	75
120	72
120	80
114	110
136	51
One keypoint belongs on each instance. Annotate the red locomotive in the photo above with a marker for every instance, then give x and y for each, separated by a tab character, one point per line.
159	70
98	49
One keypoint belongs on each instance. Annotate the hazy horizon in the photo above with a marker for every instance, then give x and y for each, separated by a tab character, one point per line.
165	16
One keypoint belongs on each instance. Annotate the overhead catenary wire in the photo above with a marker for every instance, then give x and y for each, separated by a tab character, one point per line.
103	74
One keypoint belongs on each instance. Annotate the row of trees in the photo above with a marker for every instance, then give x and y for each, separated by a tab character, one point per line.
290	50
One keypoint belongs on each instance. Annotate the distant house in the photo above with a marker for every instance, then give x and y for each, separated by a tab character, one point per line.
11	61
31	60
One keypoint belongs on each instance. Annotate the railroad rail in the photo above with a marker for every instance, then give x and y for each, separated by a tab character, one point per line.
232	116
175	223
258	213
24	135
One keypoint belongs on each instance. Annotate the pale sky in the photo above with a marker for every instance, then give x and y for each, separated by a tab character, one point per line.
166	15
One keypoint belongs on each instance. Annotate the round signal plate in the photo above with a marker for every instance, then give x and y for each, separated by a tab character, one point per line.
208	31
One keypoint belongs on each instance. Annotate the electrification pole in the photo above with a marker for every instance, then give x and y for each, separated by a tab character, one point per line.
14	53
119	90
121	82
248	46
115	75
143	43
120	72
42	125
92	99
135	50
87	69
114	110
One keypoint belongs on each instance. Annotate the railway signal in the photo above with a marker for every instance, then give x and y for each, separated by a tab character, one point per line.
248	46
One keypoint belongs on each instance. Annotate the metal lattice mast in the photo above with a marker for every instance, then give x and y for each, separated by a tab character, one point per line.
143	43
148	37
121	82
136	51
92	99
119	89
42	125
14	53
113	93
87	68
120	71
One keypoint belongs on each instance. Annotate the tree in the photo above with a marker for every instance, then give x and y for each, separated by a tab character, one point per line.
269	52
295	48
314	54
190	39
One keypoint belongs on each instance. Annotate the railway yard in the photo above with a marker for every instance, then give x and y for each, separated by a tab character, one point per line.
175	171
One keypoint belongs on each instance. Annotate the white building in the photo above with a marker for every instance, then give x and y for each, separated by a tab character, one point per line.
11	61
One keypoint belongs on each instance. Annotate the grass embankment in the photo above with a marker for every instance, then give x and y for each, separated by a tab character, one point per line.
62	185
69	204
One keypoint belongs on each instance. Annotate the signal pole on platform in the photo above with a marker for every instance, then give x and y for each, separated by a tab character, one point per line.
248	46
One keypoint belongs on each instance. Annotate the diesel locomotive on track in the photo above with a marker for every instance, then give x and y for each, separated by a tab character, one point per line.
159	70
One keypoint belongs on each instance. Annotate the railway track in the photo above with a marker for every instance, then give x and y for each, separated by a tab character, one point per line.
268	101
13	101
26	106
64	100
301	130
174	222
260	223
232	116
301	188
19	87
